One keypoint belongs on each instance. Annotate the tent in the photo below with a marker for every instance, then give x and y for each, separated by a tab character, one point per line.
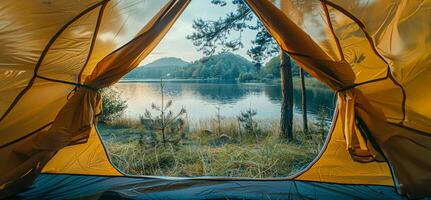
56	55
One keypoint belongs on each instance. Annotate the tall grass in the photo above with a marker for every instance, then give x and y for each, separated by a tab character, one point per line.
232	152
309	83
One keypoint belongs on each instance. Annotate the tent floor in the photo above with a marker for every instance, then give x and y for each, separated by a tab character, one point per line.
56	186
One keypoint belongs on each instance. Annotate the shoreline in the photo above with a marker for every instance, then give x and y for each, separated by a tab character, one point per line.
309	82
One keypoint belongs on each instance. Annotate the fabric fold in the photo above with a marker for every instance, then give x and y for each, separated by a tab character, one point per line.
73	123
335	74
354	104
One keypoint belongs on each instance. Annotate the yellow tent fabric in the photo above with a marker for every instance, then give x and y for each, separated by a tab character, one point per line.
87	158
85	46
55	55
336	166
376	54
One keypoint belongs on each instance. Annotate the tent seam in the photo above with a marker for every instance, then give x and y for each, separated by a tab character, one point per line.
68	83
42	57
373	47
95	34
27	135
337	41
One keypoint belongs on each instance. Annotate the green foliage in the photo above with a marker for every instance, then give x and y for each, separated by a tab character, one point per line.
161	68
273	67
168	124
223	66
248	77
112	105
249	124
321	122
210	34
263	46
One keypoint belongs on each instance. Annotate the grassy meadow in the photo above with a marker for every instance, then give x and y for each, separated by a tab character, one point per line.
211	147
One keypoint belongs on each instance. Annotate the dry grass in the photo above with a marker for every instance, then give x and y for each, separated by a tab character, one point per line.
207	154
124	122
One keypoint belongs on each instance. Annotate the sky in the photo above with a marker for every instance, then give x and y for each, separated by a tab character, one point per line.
175	44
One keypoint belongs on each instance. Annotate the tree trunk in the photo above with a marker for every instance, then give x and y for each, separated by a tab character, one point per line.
287	97
304	102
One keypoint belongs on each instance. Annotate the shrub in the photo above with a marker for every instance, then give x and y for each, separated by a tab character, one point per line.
249	124
248	77
165	122
218	120
269	76
113	105
321	122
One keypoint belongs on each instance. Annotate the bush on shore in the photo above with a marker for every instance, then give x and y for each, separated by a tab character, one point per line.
113	106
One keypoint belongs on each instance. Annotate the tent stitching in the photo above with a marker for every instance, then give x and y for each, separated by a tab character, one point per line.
27	135
328	19
44	53
95	33
412	129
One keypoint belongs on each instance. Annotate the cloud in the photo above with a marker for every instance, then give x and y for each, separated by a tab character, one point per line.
175	44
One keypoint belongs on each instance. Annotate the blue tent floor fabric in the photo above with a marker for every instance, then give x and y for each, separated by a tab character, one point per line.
61	186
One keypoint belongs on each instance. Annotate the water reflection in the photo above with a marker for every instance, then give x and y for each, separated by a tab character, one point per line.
200	99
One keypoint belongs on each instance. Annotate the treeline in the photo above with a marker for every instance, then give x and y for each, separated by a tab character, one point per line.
270	71
159	68
223	66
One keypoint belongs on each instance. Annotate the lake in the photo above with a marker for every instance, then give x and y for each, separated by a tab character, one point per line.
202	99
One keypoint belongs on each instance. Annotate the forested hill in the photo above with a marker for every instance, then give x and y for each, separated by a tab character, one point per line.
157	69
223	66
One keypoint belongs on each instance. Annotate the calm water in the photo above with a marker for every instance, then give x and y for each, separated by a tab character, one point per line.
202	99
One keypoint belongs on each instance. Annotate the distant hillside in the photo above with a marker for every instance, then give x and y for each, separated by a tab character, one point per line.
223	66
168	61
157	69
